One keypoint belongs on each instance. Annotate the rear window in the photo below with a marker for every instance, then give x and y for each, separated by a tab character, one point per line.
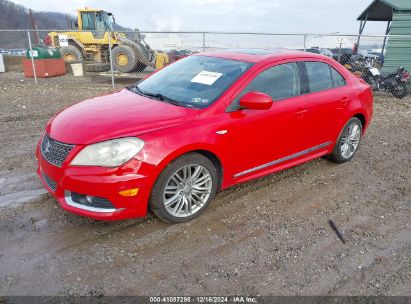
321	76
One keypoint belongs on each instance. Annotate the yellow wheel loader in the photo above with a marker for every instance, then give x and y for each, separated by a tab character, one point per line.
91	42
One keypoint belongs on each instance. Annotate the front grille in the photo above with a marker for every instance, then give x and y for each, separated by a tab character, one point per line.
91	201
54	151
50	183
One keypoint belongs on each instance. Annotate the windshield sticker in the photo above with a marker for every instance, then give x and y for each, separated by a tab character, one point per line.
205	77
199	100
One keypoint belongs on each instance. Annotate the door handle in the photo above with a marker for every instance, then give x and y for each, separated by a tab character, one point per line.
301	112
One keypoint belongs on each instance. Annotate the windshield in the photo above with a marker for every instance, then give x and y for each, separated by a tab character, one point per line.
195	81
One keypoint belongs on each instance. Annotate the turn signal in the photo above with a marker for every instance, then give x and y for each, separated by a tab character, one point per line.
129	192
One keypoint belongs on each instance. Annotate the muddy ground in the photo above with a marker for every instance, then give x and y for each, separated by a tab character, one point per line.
267	237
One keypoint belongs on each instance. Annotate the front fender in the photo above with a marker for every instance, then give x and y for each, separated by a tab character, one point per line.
164	146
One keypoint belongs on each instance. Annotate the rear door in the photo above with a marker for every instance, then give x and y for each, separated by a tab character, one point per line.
328	97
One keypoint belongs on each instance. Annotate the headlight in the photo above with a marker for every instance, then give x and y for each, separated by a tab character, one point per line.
111	153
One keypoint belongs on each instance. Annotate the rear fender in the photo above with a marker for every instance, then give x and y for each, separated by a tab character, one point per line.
365	105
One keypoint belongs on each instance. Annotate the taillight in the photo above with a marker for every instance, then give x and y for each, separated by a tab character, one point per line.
405	75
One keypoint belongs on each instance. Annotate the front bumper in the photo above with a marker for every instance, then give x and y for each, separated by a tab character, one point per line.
99	182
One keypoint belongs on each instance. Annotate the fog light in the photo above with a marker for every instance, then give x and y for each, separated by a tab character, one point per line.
129	192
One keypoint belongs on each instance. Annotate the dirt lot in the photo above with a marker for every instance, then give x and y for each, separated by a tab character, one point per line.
267	237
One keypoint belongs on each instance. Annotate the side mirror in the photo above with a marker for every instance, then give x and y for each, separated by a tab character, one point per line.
256	101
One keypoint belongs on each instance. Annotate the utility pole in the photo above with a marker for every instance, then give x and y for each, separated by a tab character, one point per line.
34	27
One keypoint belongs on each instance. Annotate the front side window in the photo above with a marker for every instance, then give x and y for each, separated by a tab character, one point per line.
280	82
103	21
195	81
321	76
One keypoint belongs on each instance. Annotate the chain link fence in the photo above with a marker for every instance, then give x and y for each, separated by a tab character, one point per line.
101	62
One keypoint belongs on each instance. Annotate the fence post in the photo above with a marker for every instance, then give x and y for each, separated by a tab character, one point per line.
111	59
32	59
204	41
305	42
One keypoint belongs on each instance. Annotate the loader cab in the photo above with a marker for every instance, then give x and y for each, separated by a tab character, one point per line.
96	21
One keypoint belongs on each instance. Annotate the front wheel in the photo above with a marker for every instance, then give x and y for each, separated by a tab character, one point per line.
71	53
399	90
348	141
124	58
184	189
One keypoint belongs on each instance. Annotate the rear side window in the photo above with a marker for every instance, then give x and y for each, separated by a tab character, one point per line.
281	81
321	76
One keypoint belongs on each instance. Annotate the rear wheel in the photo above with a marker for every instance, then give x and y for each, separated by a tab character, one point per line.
124	58
348	142
71	53
184	189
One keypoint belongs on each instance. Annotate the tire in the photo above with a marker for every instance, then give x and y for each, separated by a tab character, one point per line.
339	154
71	53
181	195
97	67
140	67
399	90
124	58
371	80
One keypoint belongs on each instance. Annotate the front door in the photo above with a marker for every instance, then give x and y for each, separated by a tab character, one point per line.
259	138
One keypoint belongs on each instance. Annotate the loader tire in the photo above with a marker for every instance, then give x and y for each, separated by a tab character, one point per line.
124	58
97	67
140	67
71	53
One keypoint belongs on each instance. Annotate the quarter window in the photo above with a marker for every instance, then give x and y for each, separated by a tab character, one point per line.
338	80
321	76
281	81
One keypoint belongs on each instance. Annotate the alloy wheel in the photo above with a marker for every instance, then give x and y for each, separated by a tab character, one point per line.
350	140
187	190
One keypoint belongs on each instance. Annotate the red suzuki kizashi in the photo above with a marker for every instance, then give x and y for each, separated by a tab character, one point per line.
205	123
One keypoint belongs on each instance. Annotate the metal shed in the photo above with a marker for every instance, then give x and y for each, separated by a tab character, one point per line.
397	14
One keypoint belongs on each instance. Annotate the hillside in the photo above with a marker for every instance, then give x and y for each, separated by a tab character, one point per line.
15	16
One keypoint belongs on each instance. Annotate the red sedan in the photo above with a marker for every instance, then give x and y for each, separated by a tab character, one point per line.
203	124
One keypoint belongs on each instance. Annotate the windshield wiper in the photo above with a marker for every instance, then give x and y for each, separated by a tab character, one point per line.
137	89
158	96
167	99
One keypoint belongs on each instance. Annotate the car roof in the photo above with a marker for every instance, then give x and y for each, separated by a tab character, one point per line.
259	55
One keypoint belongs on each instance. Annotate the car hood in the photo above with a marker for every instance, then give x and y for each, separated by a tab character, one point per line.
115	115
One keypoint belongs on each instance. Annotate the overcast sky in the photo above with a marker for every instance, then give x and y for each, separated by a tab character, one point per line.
281	16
